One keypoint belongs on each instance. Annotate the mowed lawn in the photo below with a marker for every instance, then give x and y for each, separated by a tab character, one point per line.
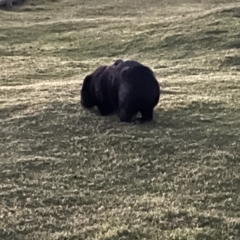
68	173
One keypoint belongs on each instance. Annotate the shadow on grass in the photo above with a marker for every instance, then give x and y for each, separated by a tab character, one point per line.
6	112
56	128
65	118
65	147
67	135
4	234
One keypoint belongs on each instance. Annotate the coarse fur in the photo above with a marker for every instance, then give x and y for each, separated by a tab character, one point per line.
127	86
100	89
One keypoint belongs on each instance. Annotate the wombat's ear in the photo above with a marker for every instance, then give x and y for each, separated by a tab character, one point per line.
117	62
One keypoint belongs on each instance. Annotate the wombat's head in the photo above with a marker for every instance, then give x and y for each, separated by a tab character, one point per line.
87	99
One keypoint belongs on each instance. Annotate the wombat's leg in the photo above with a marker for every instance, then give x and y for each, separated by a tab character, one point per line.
117	62
125	116
147	114
104	111
127	111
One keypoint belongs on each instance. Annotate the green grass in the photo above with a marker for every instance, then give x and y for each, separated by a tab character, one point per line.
67	173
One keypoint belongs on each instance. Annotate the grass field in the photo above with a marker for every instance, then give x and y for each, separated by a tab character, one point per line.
67	173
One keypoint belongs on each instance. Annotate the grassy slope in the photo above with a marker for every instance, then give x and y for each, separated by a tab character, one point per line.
66	173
